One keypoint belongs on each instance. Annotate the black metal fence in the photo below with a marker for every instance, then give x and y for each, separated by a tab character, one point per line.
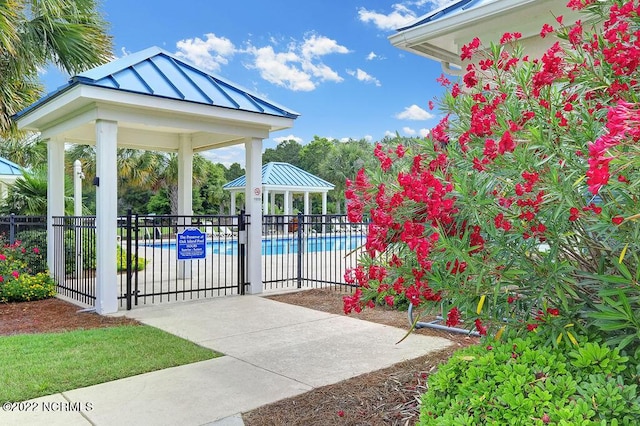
312	251
74	259
298	251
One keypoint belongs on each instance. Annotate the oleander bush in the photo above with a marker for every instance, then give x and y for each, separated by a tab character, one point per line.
518	216
520	209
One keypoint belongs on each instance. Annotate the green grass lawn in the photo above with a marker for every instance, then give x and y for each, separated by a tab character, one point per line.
33	365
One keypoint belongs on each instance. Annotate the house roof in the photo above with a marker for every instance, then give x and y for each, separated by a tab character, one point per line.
157	73
440	34
284	176
8	168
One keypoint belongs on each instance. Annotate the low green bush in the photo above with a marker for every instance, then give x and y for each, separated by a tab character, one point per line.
521	382
27	287
20	278
139	263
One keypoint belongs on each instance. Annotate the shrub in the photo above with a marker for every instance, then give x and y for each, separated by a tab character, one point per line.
139	263
520	209
18	282
523	382
27	287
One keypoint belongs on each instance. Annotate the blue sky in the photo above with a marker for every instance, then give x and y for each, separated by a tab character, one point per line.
330	61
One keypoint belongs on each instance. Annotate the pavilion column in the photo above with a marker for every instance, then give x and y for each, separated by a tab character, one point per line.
324	212
185	195
273	202
286	204
265	201
106	216
55	203
307	204
232	209
253	203
185	177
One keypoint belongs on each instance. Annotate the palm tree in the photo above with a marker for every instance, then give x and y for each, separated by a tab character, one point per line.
70	34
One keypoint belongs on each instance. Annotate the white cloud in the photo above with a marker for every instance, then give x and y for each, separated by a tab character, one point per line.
208	54
390	134
316	46
414	112
400	16
299	66
368	138
289	138
371	56
408	131
227	155
281	69
364	77
424	132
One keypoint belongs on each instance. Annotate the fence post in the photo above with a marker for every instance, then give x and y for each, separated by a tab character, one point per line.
242	239
12	230
137	236
300	220
128	229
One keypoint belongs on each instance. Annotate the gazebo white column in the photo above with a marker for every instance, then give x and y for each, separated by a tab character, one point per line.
265	201
273	202
253	203
185	194
185	177
232	209
106	216
307	204
55	201
324	212
287	199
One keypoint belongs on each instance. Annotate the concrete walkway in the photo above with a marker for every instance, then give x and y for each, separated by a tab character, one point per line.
272	351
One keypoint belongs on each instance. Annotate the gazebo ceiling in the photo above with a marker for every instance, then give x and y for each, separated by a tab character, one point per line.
157	99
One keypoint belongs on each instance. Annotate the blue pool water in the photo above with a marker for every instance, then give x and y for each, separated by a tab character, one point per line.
282	245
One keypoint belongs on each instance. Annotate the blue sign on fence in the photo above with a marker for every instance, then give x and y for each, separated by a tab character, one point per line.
192	244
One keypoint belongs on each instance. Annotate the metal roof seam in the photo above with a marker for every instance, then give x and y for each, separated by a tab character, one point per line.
186	76
168	80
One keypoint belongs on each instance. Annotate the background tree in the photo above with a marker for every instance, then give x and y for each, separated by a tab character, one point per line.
286	152
234	171
343	162
70	34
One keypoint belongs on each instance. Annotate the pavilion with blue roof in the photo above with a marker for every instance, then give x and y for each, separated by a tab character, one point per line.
283	179
150	100
9	172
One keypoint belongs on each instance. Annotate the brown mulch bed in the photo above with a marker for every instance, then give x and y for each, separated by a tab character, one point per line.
51	315
385	397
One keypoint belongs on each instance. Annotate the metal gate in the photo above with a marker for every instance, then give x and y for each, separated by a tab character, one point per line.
154	271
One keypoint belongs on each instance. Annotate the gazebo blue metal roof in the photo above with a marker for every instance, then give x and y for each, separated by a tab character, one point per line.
283	175
155	72
8	168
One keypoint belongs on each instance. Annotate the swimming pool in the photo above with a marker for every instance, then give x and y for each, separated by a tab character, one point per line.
280	245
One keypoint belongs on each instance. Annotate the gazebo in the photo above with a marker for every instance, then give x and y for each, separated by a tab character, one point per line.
283	179
9	172
150	100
